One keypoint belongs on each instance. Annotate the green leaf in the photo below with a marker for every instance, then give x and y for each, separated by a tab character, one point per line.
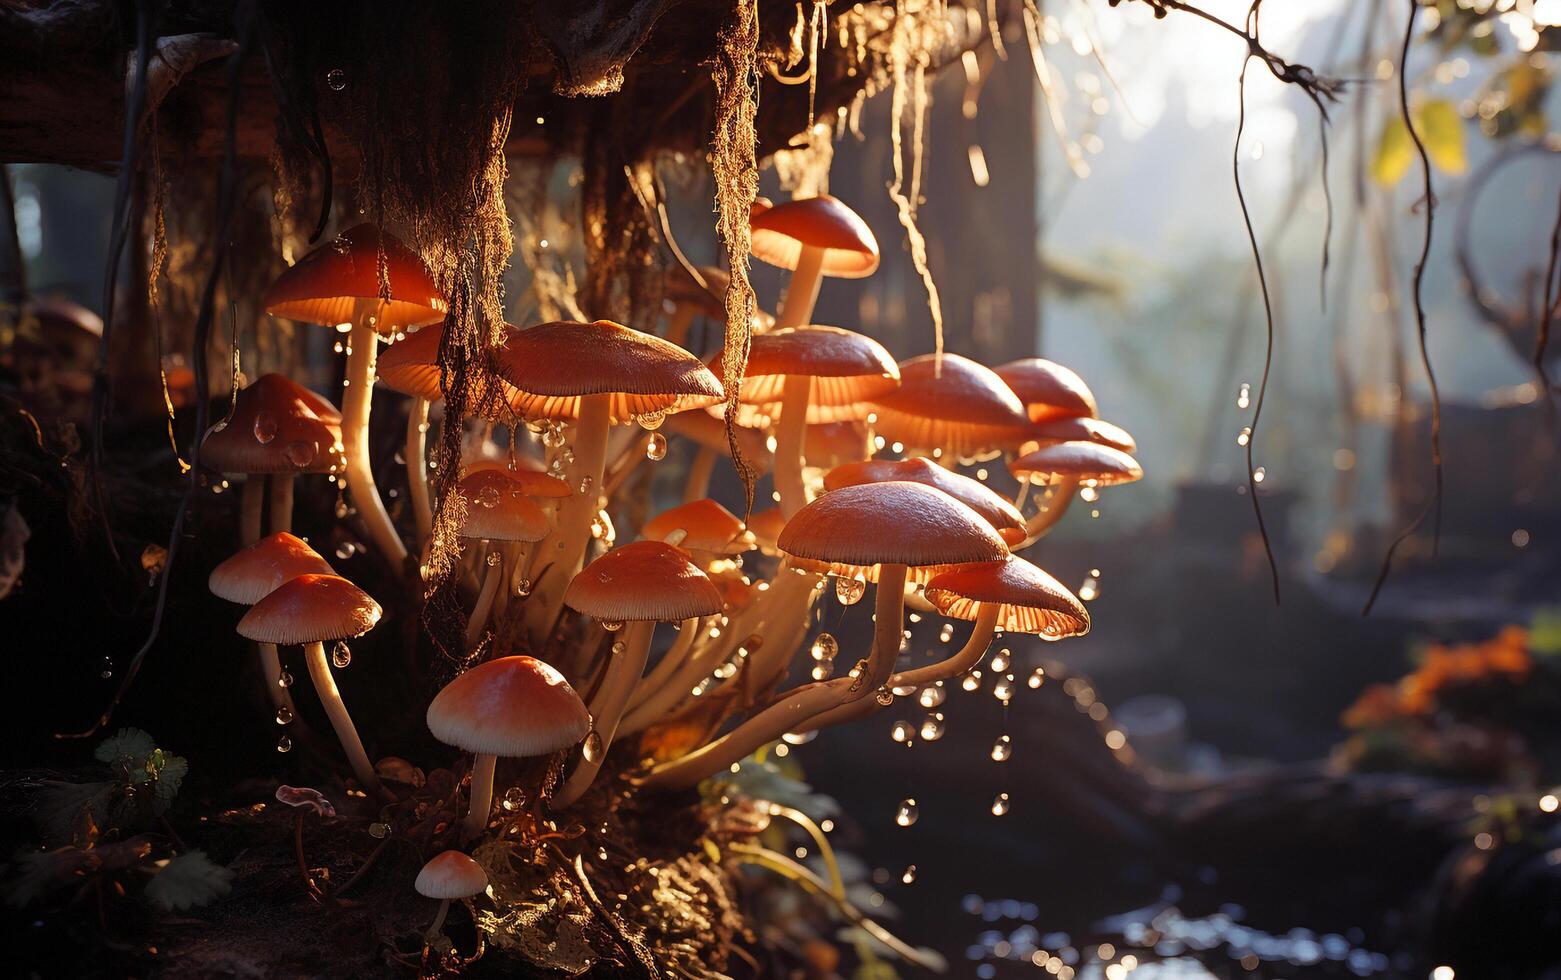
1441	130
128	746
1394	153
170	772
187	881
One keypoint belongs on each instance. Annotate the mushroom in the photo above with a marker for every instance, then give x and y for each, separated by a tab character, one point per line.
371	284
1065	466
1002	515
1048	390
497	509
518	707
277	429
309	610
950	405
639	584
254	572
411	366
813	237
701	527
886	531
1082	429
449	875
812	374
595	374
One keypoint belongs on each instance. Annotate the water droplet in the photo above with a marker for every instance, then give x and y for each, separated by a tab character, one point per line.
1002	749
1244	395
1090	590
284	744
932	728
284	715
946	633
336	80
612	625
907	813
901	731
1003	690
553	435
345	550
488	497
849	590
591	748
823	669
1037	678
378	830
1000	661
284	679
299	452
107	670
884	696
1089	495
825	647
931	696
656	447
514	798
340	655
586	483
342	509
523	587
1000	805
1244	436
972	681
1258	475
651	421
265	428
618	647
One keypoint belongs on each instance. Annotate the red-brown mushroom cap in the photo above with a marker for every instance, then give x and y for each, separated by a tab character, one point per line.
848	370
958	406
533	481
513	706
552	365
451	875
643	580
780	232
310	609
1032	601
324	286
273	430
1083	429
256	571
1048	389
853	530
411	366
700	525
1091	463
499	509
998	511
61	313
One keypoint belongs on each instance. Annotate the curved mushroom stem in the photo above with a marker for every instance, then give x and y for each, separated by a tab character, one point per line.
699	471
330	700
482	795
888	631
438	925
623	673
795	392
252	508
561	552
802	291
682	318
1037	527
490	587
417	468
356	401
665	669
280	504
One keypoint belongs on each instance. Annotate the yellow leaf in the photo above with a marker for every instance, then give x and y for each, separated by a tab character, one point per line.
1441	130
1394	153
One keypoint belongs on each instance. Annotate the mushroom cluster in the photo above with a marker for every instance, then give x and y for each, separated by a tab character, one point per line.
864	455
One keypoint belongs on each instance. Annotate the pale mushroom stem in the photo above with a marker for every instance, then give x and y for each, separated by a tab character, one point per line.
794	711
476	818
438	925
491	582
623	673
682	318
356	401
281	507
666	668
341	721
1037	527
417	468
281	502
699	472
252	507
561	552
795	393
802	291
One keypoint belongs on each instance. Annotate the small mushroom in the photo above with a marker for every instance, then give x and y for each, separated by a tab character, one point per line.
1048	389
449	876
950	406
1066	466
497	509
813	237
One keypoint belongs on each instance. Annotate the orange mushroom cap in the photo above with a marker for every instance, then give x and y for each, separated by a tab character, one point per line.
1032	601
1083	429
533	481
310	609
273	429
325	285
703	525
513	706
853	530
411	366
780	232
254	572
1048	390
848	370
958	406
451	875
1088	462
552	365
499	509
643	580
994	507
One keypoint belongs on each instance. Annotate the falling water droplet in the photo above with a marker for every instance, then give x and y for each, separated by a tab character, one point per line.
823	669
379	830
1000	805
901	731
284	715
1003	690
265	428
591	748
107	670
825	647
931	696
618	647
1090	590
932	728
1244	395
909	875
514	798
336	80
341	656
553	435
612	625
345	550
284	744
1000	660
1244	436
907	813
342	510
972	681
849	589
656	447
651	421
284	679
946	633
1258	475
1089	495
1002	749
1037	678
